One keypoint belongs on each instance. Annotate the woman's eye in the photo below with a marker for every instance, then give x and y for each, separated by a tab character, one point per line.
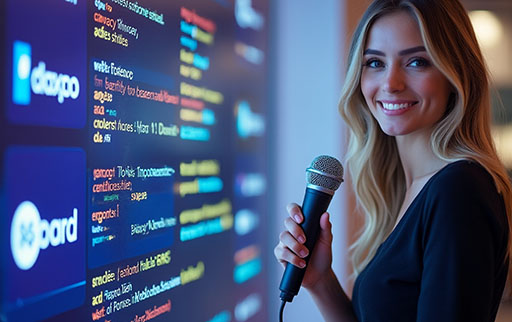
373	63
419	62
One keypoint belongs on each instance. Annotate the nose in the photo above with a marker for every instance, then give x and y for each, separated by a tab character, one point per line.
394	80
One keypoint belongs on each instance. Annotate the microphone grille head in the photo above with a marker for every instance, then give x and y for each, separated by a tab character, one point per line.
326	172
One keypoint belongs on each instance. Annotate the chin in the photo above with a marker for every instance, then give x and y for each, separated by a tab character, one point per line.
394	131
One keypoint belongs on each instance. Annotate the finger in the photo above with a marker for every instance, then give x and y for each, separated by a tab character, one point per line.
277	253
325	228
295	212
291	243
295	230
285	255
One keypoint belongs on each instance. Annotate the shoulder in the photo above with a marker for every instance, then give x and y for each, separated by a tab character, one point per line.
463	174
463	181
463	194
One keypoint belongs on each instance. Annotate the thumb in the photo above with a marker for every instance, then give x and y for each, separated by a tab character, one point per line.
325	235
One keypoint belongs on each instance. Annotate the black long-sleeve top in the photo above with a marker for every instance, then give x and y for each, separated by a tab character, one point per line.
445	260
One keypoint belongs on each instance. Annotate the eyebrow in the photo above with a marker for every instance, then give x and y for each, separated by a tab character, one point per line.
404	52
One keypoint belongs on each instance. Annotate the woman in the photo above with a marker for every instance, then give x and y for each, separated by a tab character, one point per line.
436	199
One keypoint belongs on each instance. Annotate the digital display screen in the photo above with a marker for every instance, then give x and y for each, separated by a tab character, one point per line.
134	160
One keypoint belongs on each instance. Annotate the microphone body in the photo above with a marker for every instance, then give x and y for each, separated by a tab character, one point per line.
314	205
323	177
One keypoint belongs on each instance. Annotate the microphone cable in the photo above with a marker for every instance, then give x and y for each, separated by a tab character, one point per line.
281	310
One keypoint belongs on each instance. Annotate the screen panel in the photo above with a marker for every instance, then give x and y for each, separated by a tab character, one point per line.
133	155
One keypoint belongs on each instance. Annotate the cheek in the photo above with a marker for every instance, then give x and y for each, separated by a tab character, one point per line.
368	89
436	88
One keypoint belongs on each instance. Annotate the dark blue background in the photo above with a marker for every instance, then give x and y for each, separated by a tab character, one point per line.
51	36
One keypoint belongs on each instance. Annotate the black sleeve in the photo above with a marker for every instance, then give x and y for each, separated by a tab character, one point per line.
463	243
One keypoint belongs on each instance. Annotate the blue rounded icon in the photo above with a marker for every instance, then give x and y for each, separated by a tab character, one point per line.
24	66
25	235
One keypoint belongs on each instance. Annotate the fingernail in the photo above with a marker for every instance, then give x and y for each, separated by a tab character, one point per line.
297	218
302	264
303	253
301	239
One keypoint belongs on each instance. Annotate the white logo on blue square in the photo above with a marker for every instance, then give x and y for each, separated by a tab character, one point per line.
22	64
45	191
48	63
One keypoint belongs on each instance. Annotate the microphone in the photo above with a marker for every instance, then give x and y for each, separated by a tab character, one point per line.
323	178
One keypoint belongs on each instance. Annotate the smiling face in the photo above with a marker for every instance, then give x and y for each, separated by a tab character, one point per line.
405	92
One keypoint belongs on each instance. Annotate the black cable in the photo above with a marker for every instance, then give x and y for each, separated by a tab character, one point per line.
283	302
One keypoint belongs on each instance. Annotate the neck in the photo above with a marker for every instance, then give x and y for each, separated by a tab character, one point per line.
418	160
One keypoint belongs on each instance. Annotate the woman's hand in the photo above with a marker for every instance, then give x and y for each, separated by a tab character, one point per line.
291	247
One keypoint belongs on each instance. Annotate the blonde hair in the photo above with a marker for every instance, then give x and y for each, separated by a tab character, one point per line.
463	132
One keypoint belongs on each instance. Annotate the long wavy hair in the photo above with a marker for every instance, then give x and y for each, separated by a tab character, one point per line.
463	132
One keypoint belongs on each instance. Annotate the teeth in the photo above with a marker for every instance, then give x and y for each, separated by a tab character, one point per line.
392	107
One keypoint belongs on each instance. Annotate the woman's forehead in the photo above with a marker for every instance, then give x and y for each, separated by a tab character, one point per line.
394	31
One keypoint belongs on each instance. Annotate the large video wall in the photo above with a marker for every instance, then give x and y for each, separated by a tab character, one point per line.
133	160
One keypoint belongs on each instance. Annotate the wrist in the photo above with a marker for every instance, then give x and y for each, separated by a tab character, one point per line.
331	298
323	282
